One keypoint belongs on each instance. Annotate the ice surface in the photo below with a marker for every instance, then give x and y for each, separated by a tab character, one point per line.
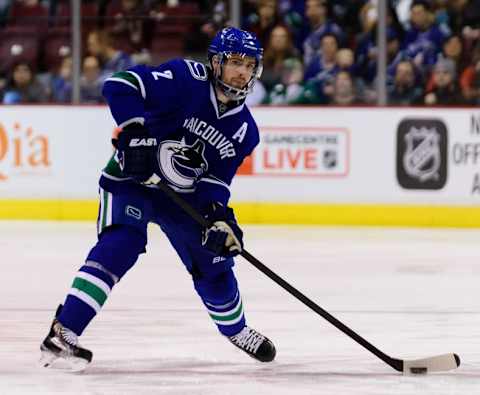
412	293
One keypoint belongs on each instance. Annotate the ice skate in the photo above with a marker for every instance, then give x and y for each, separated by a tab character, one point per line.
254	344
61	350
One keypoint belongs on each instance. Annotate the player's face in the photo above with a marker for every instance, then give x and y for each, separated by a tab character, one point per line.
238	70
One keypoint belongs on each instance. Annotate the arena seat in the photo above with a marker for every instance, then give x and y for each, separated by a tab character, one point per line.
18	44
58	45
34	17
89	12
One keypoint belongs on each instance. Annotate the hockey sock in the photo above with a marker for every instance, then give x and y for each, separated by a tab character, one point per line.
114	254
229	317
223	302
88	293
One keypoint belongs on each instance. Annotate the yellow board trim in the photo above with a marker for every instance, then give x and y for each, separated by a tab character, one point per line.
273	213
49	209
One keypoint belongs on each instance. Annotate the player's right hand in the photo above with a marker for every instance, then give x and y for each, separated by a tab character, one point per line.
136	152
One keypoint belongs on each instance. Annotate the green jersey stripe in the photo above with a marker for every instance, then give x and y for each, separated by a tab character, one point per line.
124	75
113	168
90	289
139	82
105	208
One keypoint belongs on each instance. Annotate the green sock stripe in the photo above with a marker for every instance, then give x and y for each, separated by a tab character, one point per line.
230	317
90	289
127	77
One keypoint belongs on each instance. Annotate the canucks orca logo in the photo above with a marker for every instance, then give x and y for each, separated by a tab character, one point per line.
181	164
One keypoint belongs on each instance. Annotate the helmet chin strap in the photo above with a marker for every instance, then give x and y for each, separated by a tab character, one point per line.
232	92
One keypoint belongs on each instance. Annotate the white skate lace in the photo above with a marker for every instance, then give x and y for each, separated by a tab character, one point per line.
66	335
248	339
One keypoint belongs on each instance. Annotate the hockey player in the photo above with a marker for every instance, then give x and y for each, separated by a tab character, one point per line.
184	124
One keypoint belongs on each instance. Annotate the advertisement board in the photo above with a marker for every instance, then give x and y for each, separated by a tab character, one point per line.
316	156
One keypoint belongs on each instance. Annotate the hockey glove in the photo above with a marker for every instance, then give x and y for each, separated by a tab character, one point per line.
136	152
223	237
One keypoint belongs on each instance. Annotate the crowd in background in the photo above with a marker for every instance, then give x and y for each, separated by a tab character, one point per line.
316	51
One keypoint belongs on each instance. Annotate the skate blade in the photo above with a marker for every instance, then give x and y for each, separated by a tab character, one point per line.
67	364
46	359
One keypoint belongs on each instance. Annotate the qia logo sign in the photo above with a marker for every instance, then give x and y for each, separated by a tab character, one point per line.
422	154
23	152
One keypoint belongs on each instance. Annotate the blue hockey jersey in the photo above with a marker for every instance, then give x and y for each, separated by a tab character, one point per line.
200	145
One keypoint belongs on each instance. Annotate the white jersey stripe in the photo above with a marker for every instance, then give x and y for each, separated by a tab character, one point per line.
140	120
114	79
110	177
109	209
142	87
100	215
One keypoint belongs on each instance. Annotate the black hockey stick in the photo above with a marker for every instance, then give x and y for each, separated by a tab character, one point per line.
436	363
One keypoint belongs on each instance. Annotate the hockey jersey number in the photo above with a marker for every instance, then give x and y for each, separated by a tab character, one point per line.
164	74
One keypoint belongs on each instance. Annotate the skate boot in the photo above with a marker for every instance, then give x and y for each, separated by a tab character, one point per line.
60	349
254	344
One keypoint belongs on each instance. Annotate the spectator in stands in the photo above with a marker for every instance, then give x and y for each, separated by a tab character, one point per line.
444	88
342	91
204	29
319	25
453	49
440	12
264	20
366	50
100	44
323	64
290	87
320	75
129	26
345	14
464	18
423	41
405	90
61	82
470	79
345	59
291	14
279	48
90	82
23	87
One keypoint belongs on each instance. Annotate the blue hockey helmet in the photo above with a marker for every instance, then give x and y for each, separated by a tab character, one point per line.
232	41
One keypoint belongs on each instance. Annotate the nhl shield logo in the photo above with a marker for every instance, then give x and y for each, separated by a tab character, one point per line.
422	154
421	158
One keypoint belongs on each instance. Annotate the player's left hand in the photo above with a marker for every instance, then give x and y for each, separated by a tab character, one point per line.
224	237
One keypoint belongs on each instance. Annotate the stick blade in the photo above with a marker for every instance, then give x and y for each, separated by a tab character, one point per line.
438	363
